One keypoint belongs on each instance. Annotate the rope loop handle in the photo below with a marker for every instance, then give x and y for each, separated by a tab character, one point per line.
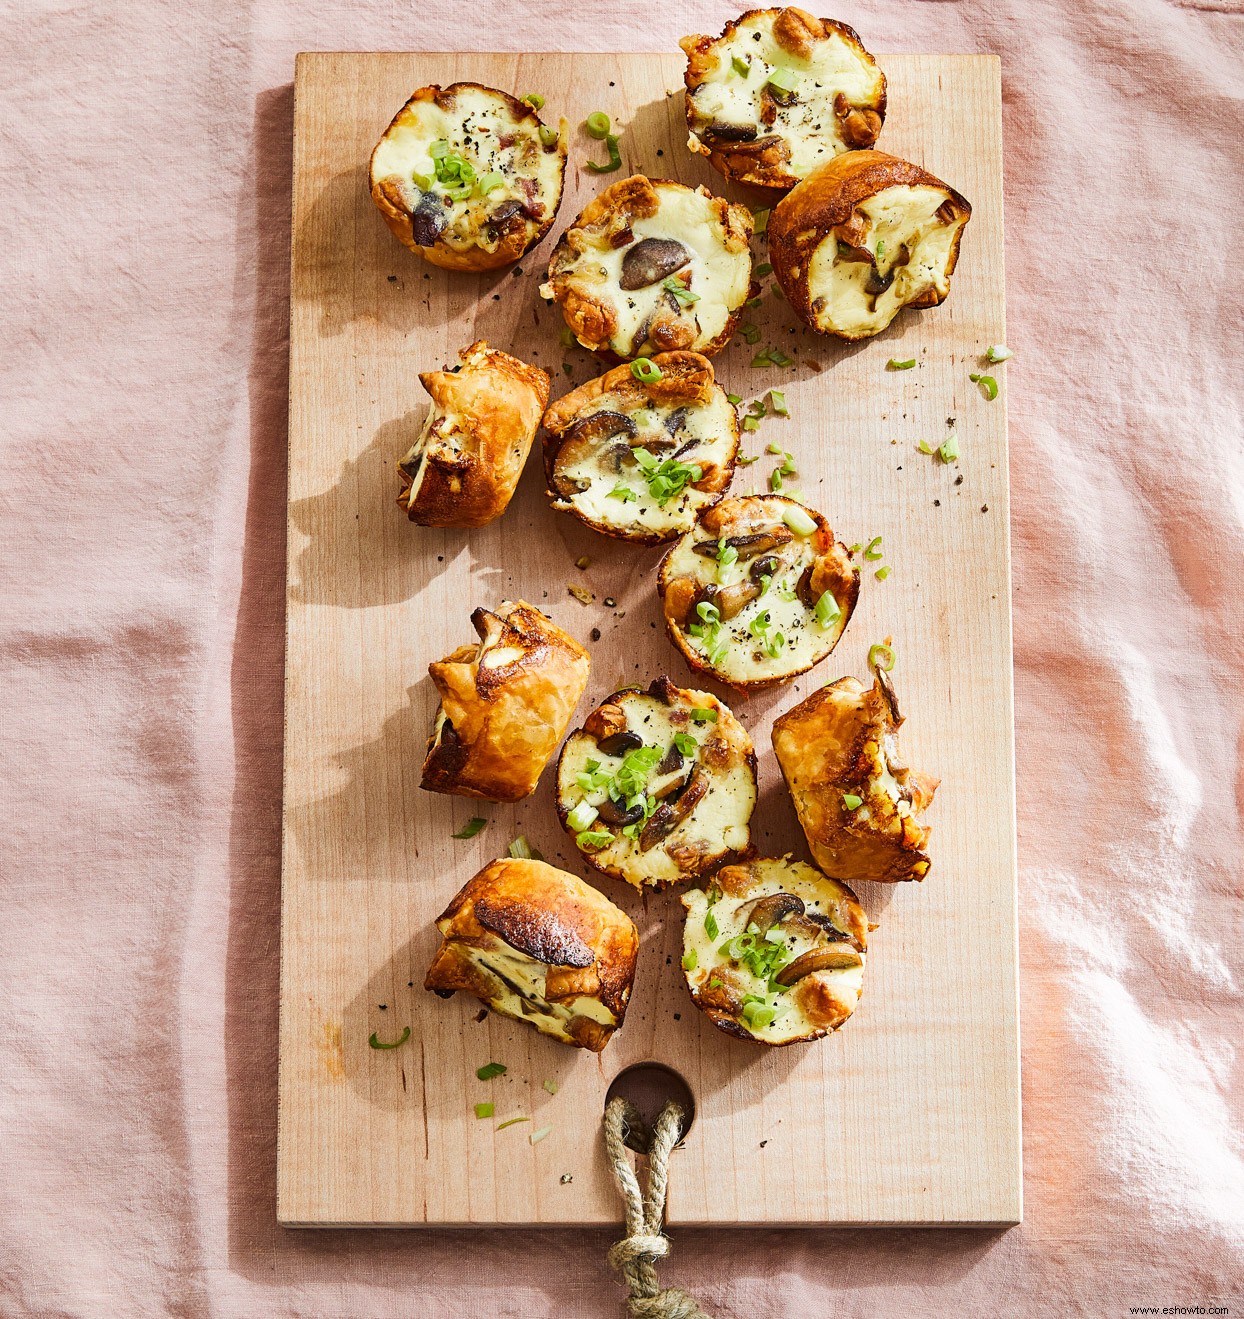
635	1256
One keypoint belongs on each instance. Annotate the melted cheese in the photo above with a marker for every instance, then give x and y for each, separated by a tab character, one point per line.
820	895
809	125
804	641
500	963
474	129
719	822
707	437
901	217
720	277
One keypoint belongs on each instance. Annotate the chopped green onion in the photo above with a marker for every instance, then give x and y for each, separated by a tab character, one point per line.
741	66
726	554
779	358
702	715
755	302
493	179
538	1136
422	182
645	370
881	574
682	293
489	1070
874	550
800	522
880	248
923	446
624	493
520	849
548	136
998	352
760	220
826	611
777	401
750	333
689	959
583	815
708	612
785	80
763	269
715	983
949	451
615	158
775	479
851	801
511	1122
485	1110
751	424
592	840
758	1015
667	478
989	386
773	447
566	337
685	743
438	149
736	399
905	365
551	1087
374	1040
597	125
755	458
762	359
881	656
472	827
710	925
533	99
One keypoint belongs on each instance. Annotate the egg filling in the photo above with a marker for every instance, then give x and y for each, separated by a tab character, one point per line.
774	951
758	591
658	786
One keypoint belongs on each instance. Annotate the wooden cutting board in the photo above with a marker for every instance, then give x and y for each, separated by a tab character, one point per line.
910	1114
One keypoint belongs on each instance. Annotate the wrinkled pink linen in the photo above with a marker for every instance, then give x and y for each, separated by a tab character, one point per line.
146	161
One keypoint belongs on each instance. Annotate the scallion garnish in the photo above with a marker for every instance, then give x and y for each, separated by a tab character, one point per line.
882	573
763	269
703	715
710	925
775	479
779	358
800	522
880	248
785	80
989	386
374	1040
750	333
777	401
686	744
949	450
923	446
539	1135
548	136
736	399
762	359
905	365
510	1122
645	370
667	478
881	656
472	827
874	550
751	424
521	850
422	182
741	66
615	158
597	125
998	352
533	99
624	493
485	1110
439	149
680	291
690	959
582	817
592	840
760	220
851	801
493	179
755	458
826	611
489	1070
551	1087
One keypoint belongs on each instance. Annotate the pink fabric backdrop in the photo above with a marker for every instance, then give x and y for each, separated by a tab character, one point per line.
145	185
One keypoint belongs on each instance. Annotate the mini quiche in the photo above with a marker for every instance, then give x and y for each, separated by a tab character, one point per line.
658	786
639	459
778	93
862	237
541	946
505	702
463	468
757	591
468	177
650	266
774	951
858	804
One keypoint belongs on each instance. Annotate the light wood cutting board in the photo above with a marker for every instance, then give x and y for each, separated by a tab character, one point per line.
910	1114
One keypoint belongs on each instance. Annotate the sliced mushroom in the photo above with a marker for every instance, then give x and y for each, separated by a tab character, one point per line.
501	217
618	744
650	261
428	220
622	238
748	546
605	720
877	283
668	816
837	957
733	599
676	420
712	133
616	813
823	922
768	565
672	760
599	427
773	909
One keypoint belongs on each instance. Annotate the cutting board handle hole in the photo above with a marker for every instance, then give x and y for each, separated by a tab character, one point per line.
650	1086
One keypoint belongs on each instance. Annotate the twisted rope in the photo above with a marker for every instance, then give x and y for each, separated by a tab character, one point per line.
635	1256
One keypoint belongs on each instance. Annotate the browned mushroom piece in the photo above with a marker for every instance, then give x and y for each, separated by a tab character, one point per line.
661	796
774	952
650	261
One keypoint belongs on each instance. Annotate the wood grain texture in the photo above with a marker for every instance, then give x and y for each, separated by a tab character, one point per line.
911	1113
